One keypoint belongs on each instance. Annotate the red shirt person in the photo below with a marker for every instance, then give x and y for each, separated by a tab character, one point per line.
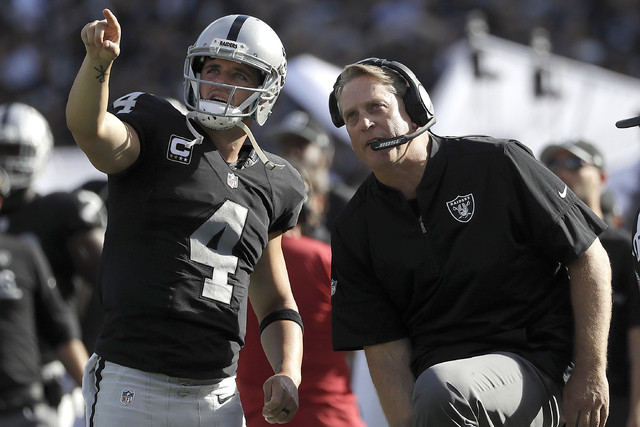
326	398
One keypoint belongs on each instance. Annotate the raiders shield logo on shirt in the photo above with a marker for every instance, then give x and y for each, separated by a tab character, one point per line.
462	207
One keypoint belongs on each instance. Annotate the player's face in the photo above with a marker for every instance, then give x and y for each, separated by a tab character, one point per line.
584	179
230	73
372	112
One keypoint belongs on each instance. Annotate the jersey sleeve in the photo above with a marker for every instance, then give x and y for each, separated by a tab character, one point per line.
141	111
289	195
553	219
362	313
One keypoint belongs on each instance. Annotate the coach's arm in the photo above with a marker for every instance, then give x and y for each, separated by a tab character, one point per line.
586	394
389	369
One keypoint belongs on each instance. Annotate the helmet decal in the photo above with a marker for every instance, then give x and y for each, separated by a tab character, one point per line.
235	27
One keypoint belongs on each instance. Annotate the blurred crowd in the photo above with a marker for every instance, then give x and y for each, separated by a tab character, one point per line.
40	48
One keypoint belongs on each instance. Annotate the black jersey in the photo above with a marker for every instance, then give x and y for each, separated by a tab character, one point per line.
53	220
481	266
185	229
29	303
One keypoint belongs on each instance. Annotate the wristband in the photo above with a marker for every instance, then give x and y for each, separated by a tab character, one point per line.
281	314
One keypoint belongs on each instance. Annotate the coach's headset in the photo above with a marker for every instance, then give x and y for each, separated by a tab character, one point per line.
416	102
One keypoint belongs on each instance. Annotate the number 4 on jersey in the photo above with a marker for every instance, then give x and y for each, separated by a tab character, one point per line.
212	245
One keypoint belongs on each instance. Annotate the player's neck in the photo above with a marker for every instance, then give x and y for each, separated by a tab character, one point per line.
228	142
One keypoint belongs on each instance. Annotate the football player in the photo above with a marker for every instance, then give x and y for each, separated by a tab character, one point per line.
69	226
31	306
193	211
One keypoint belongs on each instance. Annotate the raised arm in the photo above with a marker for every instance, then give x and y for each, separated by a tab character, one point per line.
110	144
392	377
282	339
586	394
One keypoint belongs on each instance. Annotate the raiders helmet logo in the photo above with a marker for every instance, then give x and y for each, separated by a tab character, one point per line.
461	208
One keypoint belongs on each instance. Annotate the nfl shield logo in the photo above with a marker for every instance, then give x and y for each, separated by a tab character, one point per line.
127	397
462	207
232	180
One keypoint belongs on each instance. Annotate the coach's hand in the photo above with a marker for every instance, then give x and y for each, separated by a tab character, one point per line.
280	399
586	398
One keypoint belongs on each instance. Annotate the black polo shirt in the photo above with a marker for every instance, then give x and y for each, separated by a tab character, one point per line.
482	267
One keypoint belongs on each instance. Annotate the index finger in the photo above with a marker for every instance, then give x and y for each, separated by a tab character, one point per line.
111	18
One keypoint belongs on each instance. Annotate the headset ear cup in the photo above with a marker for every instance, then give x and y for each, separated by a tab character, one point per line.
418	104
416	101
336	118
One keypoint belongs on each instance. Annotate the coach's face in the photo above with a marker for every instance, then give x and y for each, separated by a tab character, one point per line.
371	112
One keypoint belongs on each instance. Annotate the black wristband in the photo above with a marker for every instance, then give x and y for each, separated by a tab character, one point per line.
281	314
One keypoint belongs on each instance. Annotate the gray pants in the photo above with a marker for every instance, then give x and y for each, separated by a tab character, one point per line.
117	396
499	389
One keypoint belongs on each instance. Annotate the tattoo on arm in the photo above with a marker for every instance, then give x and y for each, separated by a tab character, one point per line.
279	365
102	74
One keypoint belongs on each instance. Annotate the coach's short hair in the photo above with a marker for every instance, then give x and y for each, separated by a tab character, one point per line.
396	83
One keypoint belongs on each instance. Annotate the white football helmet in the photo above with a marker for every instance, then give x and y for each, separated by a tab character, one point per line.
26	143
246	40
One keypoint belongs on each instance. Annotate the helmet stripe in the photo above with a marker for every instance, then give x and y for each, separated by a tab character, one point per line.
235	27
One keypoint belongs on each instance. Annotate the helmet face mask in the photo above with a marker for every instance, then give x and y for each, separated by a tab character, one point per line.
26	143
245	40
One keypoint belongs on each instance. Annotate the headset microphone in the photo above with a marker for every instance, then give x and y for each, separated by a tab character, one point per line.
383	144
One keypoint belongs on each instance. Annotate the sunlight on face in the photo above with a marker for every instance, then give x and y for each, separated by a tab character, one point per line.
230	73
371	112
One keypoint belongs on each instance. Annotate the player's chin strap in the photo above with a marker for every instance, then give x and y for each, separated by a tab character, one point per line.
267	163
198	140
